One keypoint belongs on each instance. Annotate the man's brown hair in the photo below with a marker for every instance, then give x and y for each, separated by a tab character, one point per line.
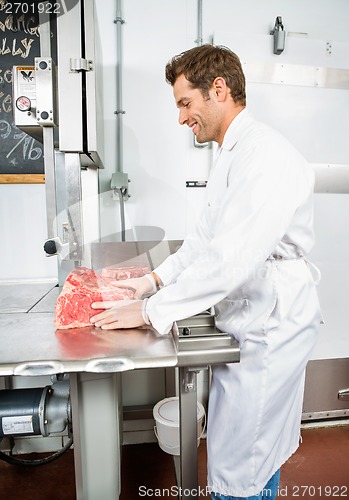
201	65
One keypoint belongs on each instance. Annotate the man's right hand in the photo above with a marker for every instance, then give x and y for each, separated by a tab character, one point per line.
143	286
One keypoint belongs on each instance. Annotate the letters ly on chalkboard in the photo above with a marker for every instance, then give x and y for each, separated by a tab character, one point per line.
19	44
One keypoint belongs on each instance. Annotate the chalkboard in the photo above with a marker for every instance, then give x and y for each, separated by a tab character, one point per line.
21	156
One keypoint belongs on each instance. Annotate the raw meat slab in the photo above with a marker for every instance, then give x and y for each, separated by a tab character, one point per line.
83	287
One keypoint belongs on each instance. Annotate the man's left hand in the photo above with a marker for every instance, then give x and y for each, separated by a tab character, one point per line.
118	314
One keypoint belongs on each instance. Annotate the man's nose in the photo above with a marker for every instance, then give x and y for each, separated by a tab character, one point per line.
183	116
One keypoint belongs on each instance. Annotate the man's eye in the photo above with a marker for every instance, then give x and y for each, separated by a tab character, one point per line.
186	105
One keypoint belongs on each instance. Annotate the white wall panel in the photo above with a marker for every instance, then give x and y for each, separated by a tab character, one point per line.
321	19
23	233
331	255
155	147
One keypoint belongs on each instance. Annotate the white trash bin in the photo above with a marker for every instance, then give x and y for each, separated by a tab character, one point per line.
166	416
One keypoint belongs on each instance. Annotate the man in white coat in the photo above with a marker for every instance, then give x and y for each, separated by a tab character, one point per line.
247	259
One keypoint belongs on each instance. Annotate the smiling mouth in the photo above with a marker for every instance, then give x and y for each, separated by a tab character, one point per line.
193	126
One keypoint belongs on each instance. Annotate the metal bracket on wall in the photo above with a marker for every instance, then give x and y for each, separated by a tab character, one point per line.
331	178
296	74
119	183
80	64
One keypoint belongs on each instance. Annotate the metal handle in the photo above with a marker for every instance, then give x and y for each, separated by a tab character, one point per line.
35	368
344	394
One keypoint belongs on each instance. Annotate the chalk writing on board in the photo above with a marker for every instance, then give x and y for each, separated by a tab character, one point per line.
19	44
24	147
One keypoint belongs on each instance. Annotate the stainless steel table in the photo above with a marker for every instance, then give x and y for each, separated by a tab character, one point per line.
31	347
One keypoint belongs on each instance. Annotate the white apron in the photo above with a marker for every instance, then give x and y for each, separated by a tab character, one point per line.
255	406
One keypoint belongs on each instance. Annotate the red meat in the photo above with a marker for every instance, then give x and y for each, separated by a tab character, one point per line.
123	273
83	287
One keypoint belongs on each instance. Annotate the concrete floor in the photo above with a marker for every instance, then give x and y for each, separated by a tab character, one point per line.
319	469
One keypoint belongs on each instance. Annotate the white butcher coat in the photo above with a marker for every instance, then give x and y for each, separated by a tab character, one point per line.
246	258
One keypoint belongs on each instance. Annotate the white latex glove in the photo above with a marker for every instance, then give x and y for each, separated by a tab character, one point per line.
143	286
119	314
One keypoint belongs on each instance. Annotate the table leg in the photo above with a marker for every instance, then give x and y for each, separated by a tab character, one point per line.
96	430
188	480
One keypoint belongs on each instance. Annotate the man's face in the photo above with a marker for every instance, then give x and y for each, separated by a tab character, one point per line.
202	114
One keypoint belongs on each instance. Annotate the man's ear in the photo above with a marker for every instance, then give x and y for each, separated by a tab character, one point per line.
219	88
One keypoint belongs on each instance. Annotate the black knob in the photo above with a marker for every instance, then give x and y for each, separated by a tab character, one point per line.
44	115
50	247
42	64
